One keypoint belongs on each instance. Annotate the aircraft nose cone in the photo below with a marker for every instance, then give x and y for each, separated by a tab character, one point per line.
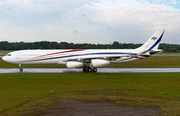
4	58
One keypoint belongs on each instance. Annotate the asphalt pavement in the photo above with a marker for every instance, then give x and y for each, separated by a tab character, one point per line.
99	70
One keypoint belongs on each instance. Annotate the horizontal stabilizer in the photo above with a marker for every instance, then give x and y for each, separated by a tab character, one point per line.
155	51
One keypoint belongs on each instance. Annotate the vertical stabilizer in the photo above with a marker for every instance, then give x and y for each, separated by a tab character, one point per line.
152	43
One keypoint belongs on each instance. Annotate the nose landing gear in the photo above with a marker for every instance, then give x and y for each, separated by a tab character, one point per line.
20	68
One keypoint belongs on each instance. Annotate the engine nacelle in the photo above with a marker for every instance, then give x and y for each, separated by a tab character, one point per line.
99	62
74	64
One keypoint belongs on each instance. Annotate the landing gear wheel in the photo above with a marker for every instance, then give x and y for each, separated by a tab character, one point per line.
21	69
95	70
89	69
85	69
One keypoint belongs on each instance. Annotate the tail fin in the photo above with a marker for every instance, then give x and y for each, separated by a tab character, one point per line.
152	43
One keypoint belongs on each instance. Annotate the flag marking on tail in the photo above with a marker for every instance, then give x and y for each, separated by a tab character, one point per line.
154	38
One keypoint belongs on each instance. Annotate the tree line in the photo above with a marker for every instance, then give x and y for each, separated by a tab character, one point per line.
5	45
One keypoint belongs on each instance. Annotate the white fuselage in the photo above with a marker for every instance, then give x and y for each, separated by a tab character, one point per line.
36	57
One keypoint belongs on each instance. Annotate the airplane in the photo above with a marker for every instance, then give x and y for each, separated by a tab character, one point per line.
88	59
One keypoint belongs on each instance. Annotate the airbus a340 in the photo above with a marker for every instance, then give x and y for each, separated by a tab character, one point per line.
88	59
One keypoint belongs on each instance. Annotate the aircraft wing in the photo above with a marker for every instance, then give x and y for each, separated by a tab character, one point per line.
97	57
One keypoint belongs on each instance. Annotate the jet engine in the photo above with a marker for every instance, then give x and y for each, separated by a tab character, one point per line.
74	64
99	62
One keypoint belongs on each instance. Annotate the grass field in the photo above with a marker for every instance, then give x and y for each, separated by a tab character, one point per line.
30	93
5	51
27	93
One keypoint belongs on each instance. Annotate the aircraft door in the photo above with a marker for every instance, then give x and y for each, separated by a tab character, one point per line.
18	55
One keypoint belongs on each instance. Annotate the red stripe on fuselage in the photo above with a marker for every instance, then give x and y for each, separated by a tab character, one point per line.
136	57
62	52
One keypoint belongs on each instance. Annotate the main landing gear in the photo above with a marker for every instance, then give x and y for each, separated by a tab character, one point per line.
89	69
20	68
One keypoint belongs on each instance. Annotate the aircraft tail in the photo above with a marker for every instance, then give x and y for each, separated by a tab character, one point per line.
152	44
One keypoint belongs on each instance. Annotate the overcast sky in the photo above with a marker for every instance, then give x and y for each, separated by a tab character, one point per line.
89	21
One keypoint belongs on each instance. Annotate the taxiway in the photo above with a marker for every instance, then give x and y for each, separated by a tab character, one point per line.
100	70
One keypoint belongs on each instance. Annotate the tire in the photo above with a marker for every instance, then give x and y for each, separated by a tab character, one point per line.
89	69
21	69
85	69
95	70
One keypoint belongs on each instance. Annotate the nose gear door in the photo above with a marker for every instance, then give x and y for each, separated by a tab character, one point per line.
18	55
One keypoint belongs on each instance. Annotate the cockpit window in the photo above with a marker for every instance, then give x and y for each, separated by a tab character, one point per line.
8	55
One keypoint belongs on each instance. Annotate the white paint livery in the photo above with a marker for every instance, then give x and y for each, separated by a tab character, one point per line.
88	59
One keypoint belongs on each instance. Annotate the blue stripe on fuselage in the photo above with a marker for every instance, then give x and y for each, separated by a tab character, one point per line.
84	55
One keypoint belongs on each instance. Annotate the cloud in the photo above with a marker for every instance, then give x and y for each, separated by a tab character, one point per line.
95	21
8	10
173	2
75	31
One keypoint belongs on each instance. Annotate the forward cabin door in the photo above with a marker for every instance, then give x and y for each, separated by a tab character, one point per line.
18	55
